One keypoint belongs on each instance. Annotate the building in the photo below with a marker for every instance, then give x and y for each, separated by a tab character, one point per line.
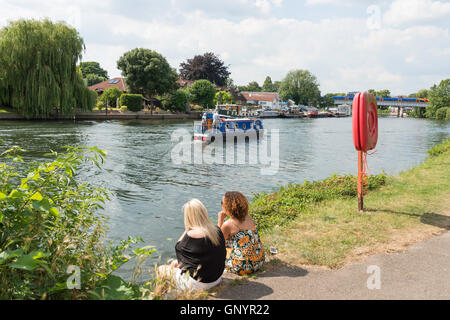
103	86
267	100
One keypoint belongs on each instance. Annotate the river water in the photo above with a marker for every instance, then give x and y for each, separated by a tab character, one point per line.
149	187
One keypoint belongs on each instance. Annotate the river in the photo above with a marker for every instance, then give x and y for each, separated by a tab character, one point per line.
149	188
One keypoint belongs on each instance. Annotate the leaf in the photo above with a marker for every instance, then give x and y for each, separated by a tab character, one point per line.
43	205
37	196
54	212
114	288
9	254
16	194
28	262
2	196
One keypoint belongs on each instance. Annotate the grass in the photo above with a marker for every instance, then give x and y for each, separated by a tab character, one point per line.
409	207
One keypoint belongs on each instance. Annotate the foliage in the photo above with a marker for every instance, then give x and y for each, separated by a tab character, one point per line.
301	86
39	74
93	68
176	100
327	101
284	205
381	94
222	97
268	86
132	101
123	108
205	67
251	87
203	92
441	113
440	148
50	222
100	105
439	98
423	93
110	96
147	72
94	79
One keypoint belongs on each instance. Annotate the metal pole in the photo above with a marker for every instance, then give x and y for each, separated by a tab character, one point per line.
360	181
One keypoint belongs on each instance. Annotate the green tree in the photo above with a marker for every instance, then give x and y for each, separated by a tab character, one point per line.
203	93
92	67
268	86
222	97
300	86
383	93
327	101
38	69
147	72
439	98
252	87
176	100
94	79
110	96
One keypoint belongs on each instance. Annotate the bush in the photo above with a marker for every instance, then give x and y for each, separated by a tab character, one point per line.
123	108
132	101
100	105
441	113
447	117
110	96
440	148
48	223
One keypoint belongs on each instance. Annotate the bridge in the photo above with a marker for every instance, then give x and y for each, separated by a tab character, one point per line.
388	102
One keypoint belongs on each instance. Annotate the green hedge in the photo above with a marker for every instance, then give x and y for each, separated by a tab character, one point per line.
441	113
132	101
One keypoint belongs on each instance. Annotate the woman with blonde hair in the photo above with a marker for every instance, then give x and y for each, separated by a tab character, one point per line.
200	250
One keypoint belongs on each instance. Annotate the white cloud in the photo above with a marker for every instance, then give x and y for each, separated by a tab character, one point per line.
341	51
403	12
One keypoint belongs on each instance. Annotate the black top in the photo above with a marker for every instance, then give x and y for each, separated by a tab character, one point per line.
200	254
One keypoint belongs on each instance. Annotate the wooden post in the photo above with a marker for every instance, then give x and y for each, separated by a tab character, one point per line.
360	181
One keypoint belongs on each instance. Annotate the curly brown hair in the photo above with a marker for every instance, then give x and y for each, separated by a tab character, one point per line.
236	205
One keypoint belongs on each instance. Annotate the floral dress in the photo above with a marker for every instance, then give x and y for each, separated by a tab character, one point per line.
245	253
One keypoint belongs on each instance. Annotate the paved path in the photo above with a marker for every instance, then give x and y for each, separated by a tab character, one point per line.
420	272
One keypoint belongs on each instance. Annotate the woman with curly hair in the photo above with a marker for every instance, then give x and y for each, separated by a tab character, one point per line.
245	253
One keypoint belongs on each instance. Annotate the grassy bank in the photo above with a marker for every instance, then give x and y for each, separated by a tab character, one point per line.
319	224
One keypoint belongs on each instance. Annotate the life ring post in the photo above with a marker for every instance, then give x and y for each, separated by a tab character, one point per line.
360	181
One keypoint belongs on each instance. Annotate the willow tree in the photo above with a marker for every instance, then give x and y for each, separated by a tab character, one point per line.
38	74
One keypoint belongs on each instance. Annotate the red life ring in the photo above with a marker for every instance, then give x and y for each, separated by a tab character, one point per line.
365	121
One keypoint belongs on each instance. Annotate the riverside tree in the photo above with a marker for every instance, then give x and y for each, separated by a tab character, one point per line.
39	73
92	71
147	72
205	67
439	96
300	86
203	93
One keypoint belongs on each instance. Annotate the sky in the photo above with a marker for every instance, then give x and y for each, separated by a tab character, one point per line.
349	45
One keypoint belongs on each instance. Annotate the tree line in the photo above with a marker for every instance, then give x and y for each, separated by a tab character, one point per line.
42	74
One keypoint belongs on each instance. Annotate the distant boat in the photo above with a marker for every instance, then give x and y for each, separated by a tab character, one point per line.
268	114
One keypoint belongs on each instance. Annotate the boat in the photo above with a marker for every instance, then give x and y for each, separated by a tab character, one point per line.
228	128
268	114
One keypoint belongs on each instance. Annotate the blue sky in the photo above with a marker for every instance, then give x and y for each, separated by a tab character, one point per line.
350	45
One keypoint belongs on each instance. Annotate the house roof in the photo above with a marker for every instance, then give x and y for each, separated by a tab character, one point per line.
114	82
184	83
259	96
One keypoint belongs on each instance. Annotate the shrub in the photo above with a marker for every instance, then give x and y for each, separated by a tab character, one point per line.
123	108
132	101
100	105
447	117
441	113
110	96
49	222
440	148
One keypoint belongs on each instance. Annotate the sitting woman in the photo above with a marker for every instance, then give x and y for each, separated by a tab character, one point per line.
245	253
200	251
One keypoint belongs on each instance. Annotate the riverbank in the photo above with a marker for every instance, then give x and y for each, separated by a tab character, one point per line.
112	115
332	234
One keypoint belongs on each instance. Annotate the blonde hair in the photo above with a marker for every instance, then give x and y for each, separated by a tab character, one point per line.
196	216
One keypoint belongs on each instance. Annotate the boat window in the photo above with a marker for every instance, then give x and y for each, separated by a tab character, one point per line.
244	126
236	126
